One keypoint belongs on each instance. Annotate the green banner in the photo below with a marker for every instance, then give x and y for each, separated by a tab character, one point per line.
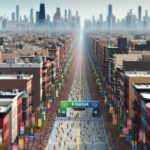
77	104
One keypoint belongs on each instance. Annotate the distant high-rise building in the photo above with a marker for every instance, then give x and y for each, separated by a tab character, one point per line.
42	13
17	13
146	13
13	16
146	20
101	18
4	24
93	19
57	16
48	18
140	13
69	14
77	14
65	14
25	19
37	17
110	10
130	12
31	16
110	16
100	21
131	20
58	12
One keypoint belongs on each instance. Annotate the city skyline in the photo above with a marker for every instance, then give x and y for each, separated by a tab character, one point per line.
99	7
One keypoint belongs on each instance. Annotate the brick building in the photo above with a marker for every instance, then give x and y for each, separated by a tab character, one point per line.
34	69
11	102
130	78
4	123
23	82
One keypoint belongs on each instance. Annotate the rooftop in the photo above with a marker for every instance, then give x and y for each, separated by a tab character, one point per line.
21	65
145	95
142	86
15	76
5	108
115	47
137	73
10	95
139	41
6	99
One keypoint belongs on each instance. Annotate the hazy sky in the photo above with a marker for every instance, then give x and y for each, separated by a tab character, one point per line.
86	8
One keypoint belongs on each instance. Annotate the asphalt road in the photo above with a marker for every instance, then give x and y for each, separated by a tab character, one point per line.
81	131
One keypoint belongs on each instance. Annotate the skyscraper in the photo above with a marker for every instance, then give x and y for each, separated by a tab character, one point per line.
25	19
42	13
146	13
69	14
37	17
58	12
110	15
110	10
93	19
145	20
48	18
101	17
17	13
31	16
77	14
140	13
57	15
65	14
13	16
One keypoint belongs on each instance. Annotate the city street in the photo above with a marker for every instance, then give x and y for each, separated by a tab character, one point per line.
79	130
75	75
